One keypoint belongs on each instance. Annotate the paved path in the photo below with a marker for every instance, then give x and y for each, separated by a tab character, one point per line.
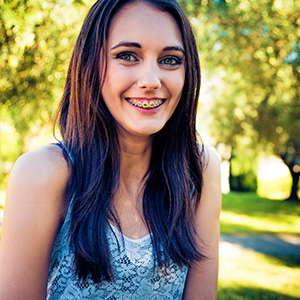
267	244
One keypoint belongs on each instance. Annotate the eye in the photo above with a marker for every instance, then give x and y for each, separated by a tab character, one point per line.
126	56
171	61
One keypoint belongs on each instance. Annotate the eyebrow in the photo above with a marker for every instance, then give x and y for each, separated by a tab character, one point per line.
174	48
137	45
127	44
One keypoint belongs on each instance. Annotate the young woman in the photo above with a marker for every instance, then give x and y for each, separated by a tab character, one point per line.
127	205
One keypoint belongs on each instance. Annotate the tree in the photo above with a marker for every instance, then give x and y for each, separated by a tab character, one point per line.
36	40
253	48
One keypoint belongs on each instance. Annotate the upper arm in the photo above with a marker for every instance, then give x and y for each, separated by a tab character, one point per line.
32	214
202	277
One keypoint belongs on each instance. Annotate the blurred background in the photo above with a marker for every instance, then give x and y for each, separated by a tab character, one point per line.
249	112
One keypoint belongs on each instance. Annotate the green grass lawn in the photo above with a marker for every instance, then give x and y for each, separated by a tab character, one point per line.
248	275
246	213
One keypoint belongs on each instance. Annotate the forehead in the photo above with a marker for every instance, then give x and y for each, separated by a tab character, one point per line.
140	21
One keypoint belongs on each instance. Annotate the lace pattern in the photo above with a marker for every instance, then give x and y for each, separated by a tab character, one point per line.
135	277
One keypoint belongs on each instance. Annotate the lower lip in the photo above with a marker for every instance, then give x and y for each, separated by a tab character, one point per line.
145	110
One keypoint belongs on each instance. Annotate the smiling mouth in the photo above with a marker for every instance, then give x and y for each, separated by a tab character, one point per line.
146	104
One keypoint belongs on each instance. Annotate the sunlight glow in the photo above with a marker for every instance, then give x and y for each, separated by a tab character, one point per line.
270	168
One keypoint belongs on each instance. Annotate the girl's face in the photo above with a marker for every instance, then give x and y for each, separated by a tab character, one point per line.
145	69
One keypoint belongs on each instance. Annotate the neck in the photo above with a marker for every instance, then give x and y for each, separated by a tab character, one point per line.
135	155
135	159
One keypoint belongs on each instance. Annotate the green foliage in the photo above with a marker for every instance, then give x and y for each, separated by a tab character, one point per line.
36	40
244	182
251	50
242	175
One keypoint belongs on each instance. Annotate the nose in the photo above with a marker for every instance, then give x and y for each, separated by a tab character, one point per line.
149	78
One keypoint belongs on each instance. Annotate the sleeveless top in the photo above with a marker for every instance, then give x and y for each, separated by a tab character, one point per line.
132	260
133	266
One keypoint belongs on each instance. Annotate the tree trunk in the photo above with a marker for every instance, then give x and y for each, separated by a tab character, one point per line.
295	176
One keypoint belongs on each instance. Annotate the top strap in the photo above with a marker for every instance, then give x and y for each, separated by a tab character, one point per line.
61	145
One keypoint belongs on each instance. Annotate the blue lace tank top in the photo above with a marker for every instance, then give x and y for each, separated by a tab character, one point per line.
132	260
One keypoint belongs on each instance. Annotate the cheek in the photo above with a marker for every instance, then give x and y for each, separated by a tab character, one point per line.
119	79
176	84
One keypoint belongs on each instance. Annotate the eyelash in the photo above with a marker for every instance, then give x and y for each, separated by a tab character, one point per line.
175	59
130	57
126	54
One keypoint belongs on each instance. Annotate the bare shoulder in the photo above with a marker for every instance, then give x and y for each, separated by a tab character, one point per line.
33	211
42	164
211	162
38	179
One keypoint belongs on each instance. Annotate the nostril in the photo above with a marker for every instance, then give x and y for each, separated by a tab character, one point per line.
149	87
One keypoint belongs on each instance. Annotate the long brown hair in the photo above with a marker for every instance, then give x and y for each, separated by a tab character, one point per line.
173	187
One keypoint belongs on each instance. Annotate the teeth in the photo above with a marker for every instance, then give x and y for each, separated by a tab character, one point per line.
145	104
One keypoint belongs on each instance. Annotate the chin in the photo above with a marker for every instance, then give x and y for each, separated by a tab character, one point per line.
146	132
